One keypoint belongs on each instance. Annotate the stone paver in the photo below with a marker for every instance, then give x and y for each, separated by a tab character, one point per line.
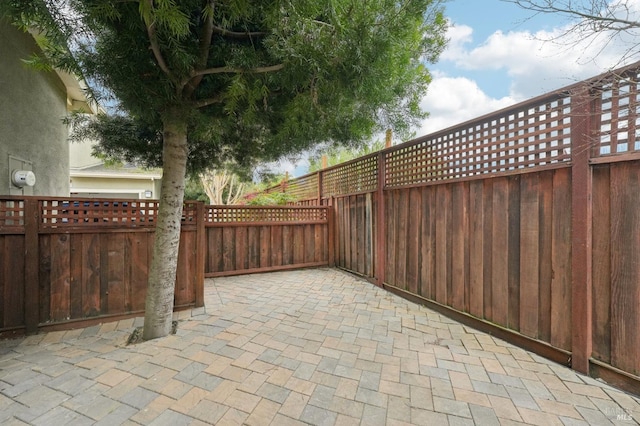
317	346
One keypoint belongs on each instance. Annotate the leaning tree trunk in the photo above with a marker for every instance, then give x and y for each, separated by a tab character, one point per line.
162	275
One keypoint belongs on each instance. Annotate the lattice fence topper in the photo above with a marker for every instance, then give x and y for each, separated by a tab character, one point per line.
11	214
533	137
619	115
304	187
238	214
69	212
355	176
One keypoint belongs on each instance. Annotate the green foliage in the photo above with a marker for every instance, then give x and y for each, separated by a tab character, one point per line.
338	155
273	199
253	81
194	191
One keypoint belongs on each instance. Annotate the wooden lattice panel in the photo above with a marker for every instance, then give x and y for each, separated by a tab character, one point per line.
69	212
244	214
533	137
11	214
352	177
303	188
619	116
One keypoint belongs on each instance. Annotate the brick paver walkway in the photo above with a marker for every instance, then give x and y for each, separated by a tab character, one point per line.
314	347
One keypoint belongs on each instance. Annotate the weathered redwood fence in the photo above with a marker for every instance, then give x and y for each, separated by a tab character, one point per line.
524	222
71	262
246	239
68	263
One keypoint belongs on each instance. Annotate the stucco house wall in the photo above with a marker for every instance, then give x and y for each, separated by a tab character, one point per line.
32	107
105	182
91	178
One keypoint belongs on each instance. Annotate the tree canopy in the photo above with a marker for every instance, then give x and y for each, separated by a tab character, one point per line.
202	82
253	80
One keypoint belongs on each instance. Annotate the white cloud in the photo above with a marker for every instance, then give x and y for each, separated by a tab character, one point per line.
534	63
455	100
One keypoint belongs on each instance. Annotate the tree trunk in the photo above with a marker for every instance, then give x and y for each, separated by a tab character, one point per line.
162	275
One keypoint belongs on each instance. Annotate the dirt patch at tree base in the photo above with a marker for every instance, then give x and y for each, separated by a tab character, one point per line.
136	335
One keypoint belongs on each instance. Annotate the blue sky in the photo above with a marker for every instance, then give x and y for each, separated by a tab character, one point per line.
498	55
485	17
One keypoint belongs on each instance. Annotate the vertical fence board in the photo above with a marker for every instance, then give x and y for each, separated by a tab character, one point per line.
428	243
13	292
476	248
402	214
601	263
183	277
514	253
45	277
369	224
265	246
298	244
346	213
276	241
529	254
214	249
242	248
561	256
76	260
30	282
287	245
459	246
115	295
254	247
625	267
544	256
391	216
228	249
500	252
353	232
60	277
127	272
487	244
337	231
320	243
413	239
361	222
189	262
139	269
443	275
5	278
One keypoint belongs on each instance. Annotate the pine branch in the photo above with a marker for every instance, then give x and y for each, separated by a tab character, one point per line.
155	46
238	34
205	43
206	102
231	70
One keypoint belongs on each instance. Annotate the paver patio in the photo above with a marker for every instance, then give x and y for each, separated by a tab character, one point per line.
316	346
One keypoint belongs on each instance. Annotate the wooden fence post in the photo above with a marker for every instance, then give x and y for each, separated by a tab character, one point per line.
201	250
31	265
380	241
331	229
320	175
581	222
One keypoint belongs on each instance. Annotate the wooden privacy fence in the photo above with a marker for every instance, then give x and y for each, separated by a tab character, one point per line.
246	239
524	222
67	263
